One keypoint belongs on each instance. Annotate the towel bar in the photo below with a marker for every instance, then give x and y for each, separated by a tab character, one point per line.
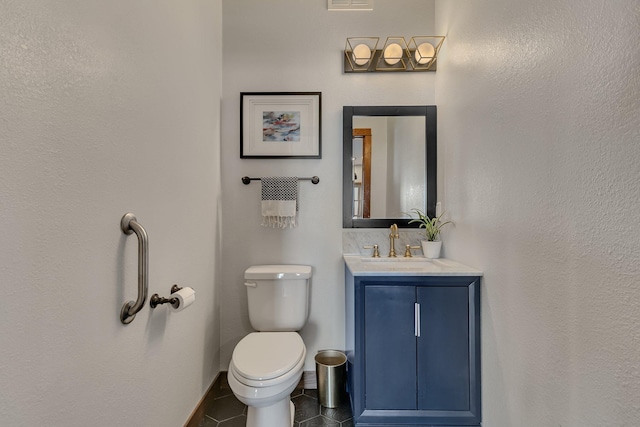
129	224
246	180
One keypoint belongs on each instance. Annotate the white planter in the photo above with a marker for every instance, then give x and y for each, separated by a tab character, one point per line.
431	249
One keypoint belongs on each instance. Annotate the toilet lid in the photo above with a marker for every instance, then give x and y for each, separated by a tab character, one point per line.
267	355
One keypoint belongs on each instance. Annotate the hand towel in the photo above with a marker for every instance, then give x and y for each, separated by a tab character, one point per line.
279	201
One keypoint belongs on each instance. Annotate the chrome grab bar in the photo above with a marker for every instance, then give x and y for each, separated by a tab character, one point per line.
130	224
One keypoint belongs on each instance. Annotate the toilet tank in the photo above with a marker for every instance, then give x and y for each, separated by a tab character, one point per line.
278	296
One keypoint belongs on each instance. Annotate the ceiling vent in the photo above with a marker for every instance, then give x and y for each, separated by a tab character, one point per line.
350	4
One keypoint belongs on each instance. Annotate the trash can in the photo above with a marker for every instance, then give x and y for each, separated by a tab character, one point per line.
331	374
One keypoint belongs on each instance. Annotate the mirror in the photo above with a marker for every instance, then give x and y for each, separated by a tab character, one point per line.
389	164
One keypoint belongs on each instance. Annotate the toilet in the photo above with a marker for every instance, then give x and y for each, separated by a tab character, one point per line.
266	366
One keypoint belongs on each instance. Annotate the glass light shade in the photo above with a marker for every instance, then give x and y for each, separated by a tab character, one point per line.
425	53
361	54
393	54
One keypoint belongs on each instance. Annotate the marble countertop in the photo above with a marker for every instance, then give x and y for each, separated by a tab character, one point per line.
415	266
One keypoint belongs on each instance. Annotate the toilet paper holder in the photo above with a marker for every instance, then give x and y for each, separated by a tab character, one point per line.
157	299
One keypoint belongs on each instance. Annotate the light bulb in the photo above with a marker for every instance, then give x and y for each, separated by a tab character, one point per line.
361	54
424	53
393	54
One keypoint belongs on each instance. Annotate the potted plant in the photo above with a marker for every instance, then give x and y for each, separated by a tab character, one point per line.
432	245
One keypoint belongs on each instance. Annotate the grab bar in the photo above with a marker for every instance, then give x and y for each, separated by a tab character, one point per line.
130	224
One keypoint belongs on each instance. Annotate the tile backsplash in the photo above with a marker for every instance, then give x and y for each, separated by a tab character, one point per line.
354	240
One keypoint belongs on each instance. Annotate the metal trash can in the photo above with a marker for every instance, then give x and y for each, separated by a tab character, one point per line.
331	374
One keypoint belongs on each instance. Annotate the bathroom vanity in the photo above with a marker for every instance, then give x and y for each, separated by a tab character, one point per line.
412	341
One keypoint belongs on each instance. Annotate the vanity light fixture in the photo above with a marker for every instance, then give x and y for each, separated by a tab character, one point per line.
420	54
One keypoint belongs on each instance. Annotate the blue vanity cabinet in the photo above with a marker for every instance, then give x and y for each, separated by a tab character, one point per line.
413	347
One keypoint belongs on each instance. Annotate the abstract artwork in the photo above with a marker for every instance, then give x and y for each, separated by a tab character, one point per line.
281	126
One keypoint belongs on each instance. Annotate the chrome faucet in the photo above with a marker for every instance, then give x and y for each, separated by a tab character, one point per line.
393	234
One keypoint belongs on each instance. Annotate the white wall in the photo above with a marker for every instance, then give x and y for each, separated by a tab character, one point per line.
539	136
293	45
107	107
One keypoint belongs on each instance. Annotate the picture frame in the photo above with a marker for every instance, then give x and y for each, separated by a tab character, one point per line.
280	125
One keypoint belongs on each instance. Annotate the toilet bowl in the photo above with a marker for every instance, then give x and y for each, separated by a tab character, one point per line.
266	366
265	369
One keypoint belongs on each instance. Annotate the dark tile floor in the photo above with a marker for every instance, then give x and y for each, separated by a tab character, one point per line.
227	411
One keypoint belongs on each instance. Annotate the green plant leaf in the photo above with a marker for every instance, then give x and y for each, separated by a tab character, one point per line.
432	226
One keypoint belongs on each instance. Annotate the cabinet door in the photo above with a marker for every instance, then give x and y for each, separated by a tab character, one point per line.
390	347
443	348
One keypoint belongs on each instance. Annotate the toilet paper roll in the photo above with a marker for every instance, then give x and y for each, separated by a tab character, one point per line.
185	296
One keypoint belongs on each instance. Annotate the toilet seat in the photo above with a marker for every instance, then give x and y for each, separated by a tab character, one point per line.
263	358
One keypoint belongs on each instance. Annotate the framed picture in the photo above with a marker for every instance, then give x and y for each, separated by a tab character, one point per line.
280	125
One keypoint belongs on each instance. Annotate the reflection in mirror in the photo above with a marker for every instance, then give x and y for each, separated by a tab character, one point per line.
389	164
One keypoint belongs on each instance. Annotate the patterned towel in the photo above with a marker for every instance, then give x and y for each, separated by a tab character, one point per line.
279	201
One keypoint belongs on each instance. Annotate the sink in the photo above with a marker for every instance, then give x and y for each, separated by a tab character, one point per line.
402	264
410	266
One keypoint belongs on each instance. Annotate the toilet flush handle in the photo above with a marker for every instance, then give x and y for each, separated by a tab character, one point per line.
251	284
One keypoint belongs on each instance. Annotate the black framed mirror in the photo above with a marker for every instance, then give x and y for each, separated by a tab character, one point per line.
389	164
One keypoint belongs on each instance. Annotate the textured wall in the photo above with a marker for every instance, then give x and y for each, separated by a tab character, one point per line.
539	138
293	45
106	107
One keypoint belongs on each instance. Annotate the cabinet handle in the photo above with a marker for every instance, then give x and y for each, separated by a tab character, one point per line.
417	320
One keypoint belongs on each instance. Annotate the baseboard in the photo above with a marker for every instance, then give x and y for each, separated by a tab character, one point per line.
309	380
198	413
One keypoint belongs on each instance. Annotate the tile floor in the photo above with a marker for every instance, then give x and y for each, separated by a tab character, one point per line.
227	411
